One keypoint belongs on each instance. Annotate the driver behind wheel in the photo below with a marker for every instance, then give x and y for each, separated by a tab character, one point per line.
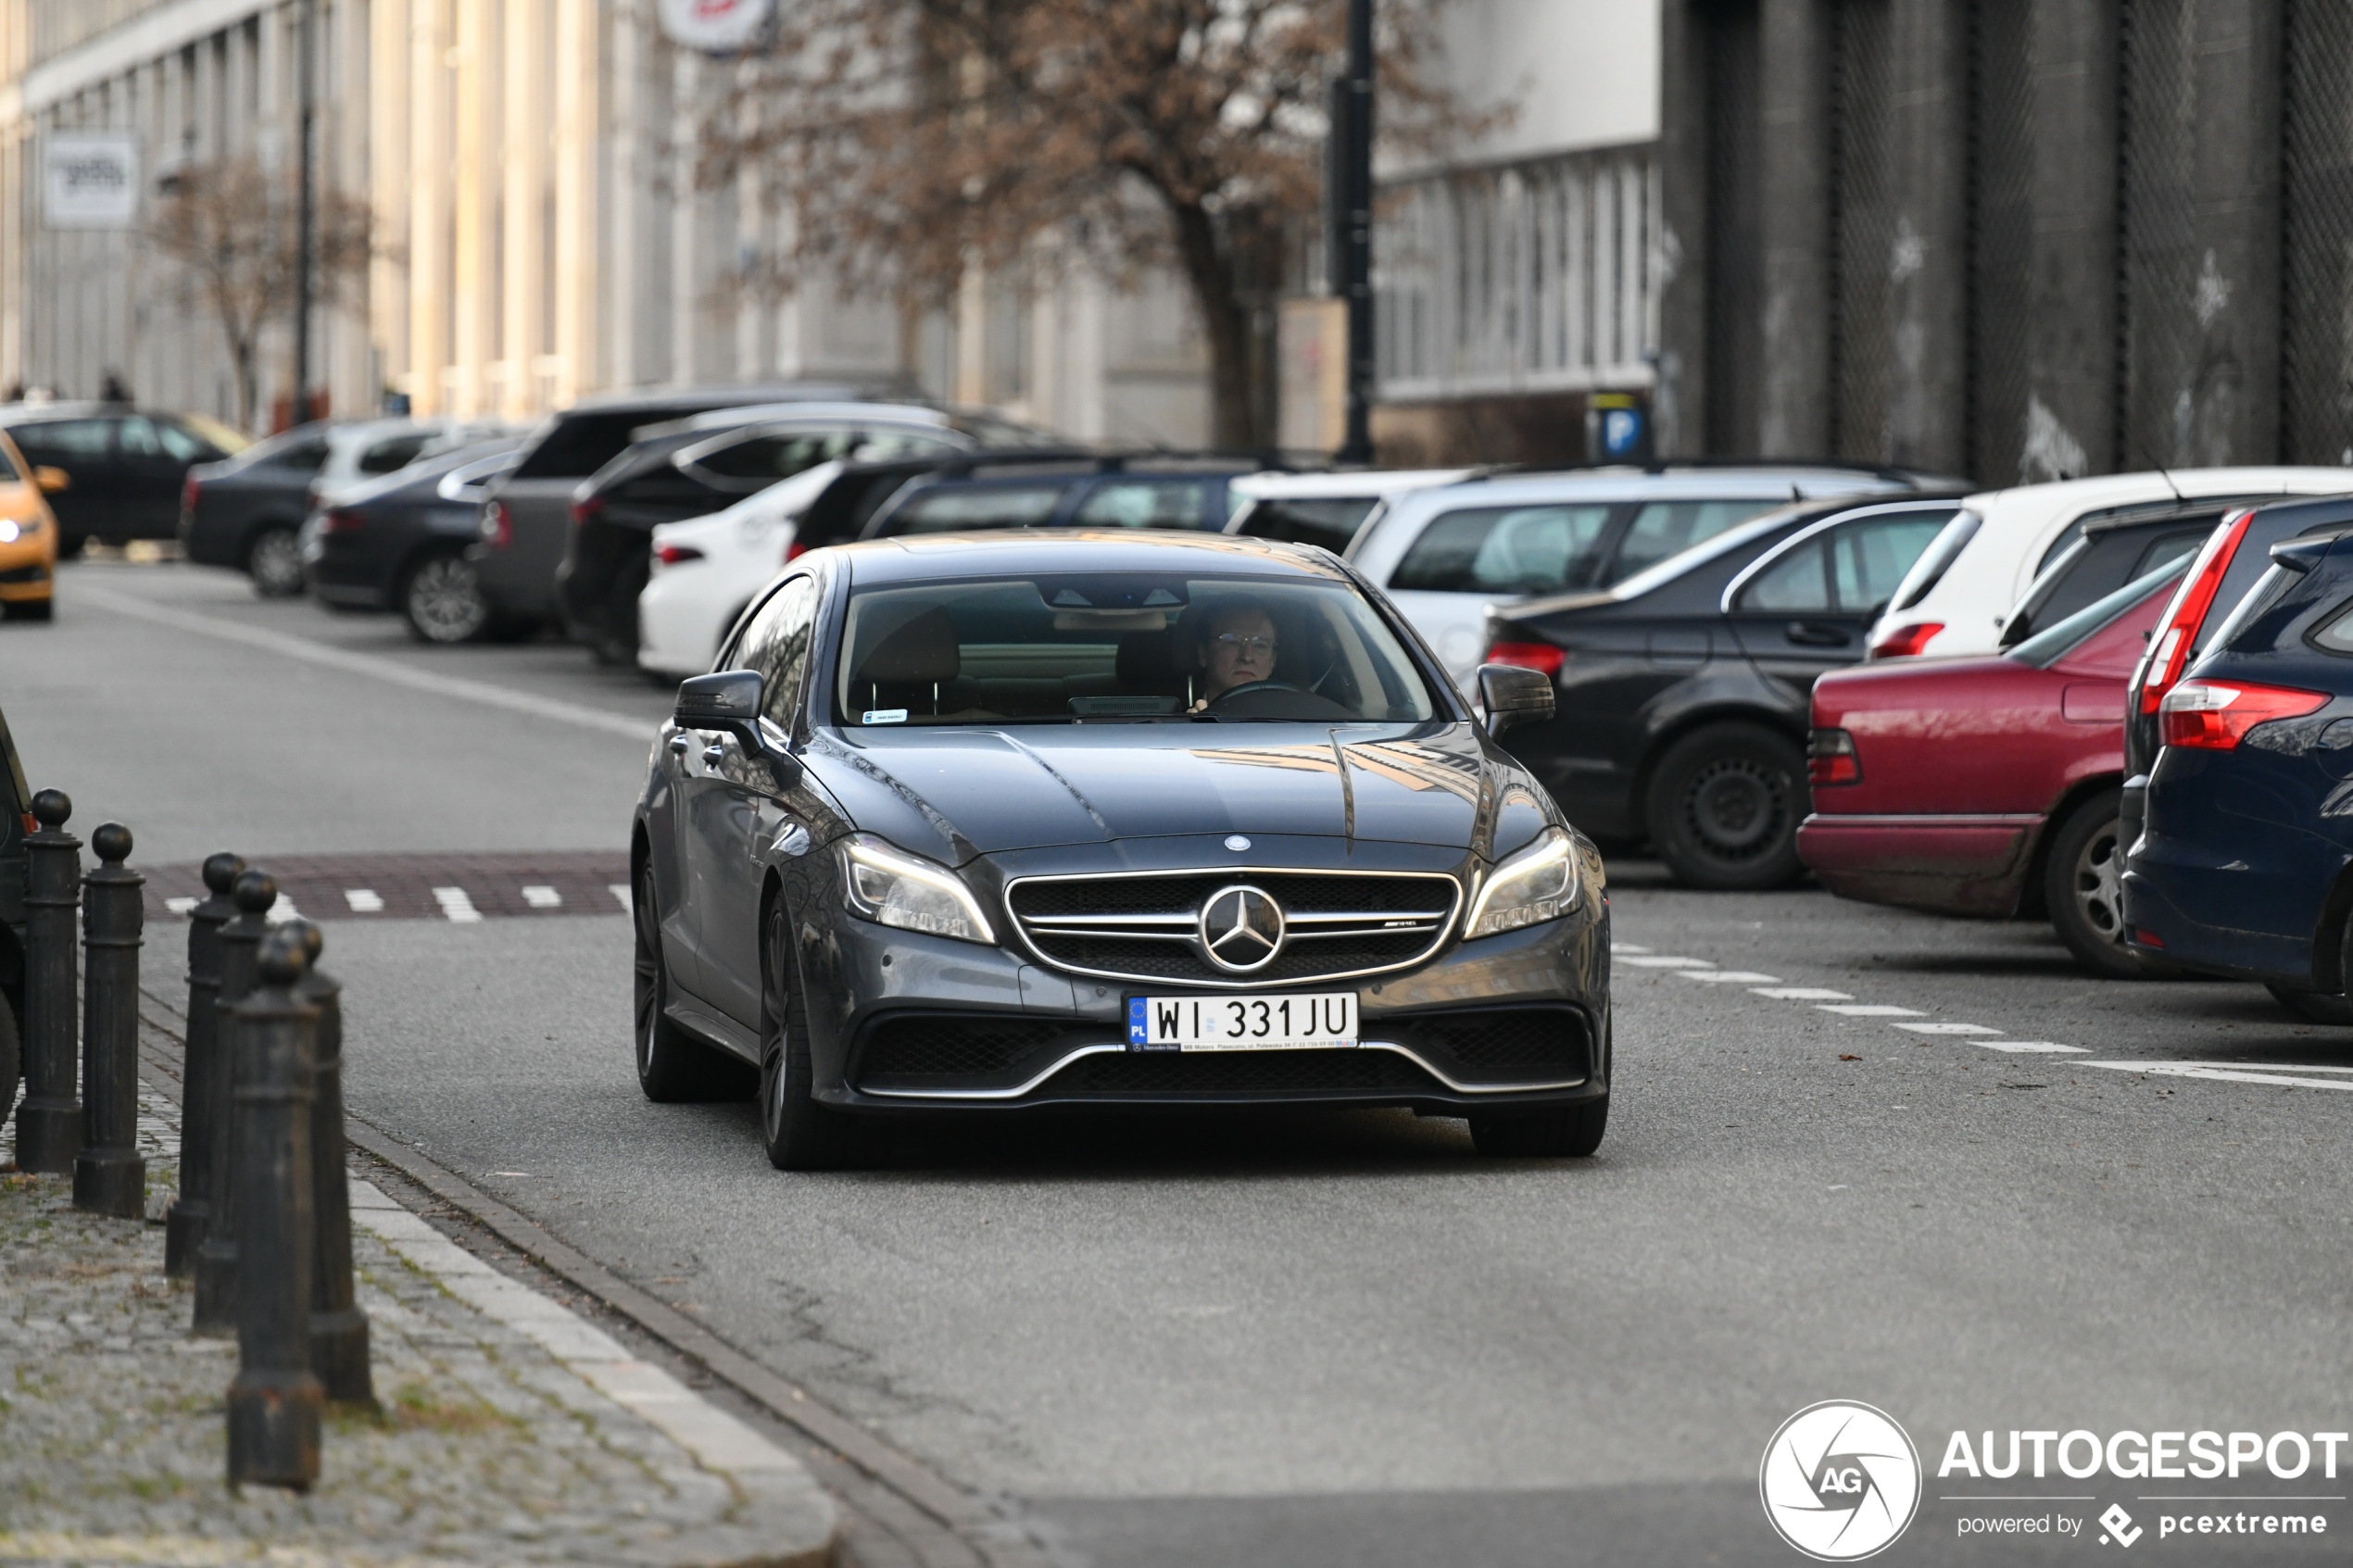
1238	648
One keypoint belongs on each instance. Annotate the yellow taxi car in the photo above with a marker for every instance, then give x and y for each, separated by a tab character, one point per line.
28	536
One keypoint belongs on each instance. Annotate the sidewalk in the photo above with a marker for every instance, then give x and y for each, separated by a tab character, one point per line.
511	1431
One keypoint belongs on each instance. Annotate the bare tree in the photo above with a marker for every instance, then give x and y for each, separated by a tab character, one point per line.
911	139
232	225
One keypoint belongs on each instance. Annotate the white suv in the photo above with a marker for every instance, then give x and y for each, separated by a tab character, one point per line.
1966	584
1445	554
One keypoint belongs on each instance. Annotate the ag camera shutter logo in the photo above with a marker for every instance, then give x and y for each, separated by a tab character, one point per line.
1841	1481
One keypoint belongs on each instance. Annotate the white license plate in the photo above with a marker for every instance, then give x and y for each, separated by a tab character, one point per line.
1242	1023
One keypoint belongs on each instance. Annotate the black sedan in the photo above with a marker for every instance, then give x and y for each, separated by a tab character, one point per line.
1684	690
124	467
401	544
1001	824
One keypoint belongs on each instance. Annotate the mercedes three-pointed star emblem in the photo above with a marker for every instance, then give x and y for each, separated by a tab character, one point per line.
1241	929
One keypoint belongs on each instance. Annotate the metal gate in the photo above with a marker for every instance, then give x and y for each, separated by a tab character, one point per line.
2316	343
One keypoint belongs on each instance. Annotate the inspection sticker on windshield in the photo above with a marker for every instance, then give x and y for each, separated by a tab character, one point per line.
1242	1023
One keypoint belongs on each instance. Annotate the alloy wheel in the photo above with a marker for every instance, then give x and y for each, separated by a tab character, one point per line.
276	564
648	985
444	601
2099	884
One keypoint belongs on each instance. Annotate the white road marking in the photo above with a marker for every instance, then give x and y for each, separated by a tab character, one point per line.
364	900
1949	1029
2046	1046
180	906
1870	1010
392	671
283	910
1727	977
2232	1075
1626	947
2259	1066
1805	993
540	896
456	905
621	891
1667	963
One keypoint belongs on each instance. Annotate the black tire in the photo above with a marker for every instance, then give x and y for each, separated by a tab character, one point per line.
796	1132
673	1068
440	598
2313	1006
32	610
1570	1132
1724	806
275	563
2083	892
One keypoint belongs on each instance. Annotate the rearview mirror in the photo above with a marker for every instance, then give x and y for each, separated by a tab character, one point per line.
719	701
49	481
1514	694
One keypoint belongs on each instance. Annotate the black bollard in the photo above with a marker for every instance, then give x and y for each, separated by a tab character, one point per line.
49	1122
200	1108
108	1176
275	1402
240	940
338	1325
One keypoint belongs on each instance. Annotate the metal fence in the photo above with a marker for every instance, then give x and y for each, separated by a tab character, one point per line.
2172	397
1534	277
1864	217
2316	346
2001	251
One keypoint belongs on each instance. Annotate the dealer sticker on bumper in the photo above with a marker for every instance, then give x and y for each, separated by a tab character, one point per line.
1242	1023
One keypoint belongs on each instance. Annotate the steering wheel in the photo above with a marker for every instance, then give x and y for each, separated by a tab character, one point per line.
1248	686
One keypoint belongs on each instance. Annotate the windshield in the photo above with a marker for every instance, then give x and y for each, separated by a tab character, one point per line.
1123	646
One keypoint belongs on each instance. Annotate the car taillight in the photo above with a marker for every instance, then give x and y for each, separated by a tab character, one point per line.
671	554
340	520
1905	641
498	525
2153	680
2217	715
794	551
189	489
1529	656
581	511
1831	759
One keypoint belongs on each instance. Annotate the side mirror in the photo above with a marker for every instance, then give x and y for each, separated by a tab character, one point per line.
49	481
1514	694
729	700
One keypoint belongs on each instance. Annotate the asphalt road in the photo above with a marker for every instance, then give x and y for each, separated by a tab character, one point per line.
1310	1340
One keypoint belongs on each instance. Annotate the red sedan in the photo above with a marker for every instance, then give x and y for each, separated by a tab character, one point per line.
1987	787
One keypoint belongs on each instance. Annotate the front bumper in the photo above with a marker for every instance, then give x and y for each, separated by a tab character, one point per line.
911	1023
28	568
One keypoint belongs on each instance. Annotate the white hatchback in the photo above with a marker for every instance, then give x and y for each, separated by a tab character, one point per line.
1965	585
705	569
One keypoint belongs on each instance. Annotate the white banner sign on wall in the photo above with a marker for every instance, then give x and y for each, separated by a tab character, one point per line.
716	27
90	180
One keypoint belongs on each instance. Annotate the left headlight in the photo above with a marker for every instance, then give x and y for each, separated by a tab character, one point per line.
10	532
892	887
1537	884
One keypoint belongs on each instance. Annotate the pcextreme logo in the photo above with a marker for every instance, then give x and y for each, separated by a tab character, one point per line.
1841	1481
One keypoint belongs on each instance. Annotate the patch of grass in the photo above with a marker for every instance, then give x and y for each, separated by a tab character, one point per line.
413	1407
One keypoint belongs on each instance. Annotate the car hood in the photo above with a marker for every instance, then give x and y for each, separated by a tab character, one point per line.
952	794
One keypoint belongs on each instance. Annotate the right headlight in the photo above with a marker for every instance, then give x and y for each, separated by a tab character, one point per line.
1534	885
892	887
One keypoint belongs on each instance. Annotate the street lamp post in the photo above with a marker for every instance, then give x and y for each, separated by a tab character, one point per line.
1351	224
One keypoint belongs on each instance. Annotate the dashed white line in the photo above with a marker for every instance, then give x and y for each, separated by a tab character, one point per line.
1627	947
2044	1046
540	896
456	905
284	910
1805	993
2229	1075
180	906
1948	1028
1659	961
621	891
1727	977
364	900
1869	1009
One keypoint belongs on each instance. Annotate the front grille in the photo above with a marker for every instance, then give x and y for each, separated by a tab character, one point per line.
20	574
1221	1072
944	1051
1143	926
1498	1044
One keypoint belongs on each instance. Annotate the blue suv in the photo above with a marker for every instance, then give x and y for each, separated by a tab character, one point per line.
2242	867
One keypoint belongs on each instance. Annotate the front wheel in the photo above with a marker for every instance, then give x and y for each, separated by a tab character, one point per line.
1570	1132
443	602
1724	806
2084	888
275	564
797	1133
673	1066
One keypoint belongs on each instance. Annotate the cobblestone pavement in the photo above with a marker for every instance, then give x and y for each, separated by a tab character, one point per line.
487	1449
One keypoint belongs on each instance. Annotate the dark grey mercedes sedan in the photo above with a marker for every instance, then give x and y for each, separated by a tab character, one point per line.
992	823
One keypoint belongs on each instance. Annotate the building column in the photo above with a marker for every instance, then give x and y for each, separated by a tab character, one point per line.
1928	299
2236	62
524	213
471	288
1793	415
686	217
387	187
2070	322
430	281
571	365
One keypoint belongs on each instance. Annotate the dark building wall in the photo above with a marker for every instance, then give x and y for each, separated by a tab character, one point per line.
2015	239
